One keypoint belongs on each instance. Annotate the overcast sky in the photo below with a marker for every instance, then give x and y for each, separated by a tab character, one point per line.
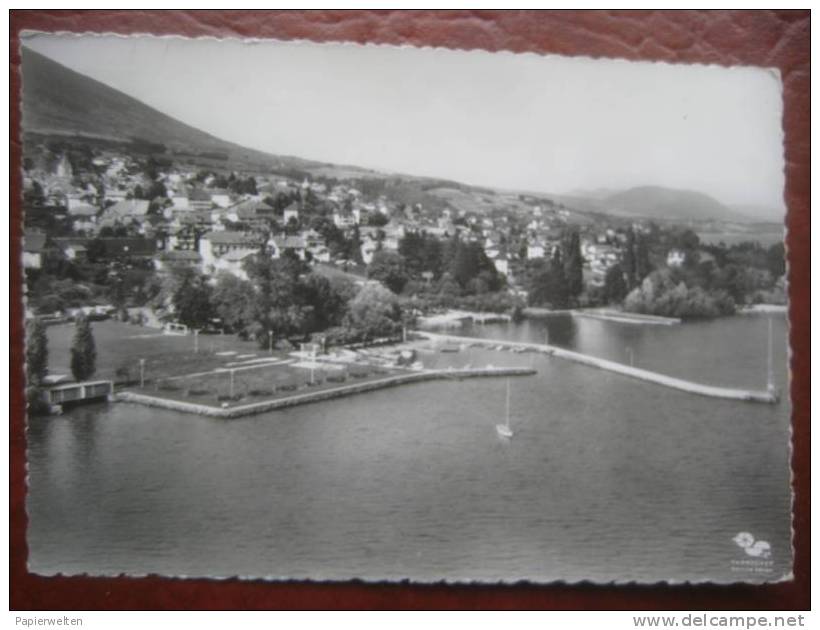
551	124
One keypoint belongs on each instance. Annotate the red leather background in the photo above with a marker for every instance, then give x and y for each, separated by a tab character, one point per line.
765	38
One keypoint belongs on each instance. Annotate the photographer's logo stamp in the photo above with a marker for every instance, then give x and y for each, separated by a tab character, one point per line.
752	547
757	554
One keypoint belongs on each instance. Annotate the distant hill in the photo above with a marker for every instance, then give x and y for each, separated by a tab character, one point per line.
58	102
592	193
656	202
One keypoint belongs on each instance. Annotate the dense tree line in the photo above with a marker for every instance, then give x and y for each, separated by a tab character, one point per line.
281	300
665	293
421	253
233	182
36	365
441	273
374	313
338	243
185	292
83	351
713	279
390	269
557	281
615	285
62	284
636	263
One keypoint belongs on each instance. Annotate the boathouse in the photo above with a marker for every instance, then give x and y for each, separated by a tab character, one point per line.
76	393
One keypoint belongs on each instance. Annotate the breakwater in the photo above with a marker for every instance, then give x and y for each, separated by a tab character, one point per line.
606	314
455	318
237	411
761	396
537	312
626	318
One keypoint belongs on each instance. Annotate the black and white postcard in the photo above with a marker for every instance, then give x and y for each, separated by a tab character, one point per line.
301	311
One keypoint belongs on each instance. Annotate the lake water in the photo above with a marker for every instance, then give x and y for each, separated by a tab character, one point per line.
607	478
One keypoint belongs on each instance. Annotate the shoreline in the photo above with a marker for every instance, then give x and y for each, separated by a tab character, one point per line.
455	318
763	308
538	312
317	396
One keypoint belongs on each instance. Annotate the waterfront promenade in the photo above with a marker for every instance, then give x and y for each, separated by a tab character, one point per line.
760	396
236	411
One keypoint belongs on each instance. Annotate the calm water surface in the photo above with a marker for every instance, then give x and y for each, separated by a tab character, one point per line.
607	478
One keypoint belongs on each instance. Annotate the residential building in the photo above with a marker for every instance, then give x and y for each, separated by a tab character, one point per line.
83	209
73	248
221	198
675	258
233	262
344	219
320	253
115	195
133	209
278	245
291	212
536	249
502	263
251	212
368	248
214	245
198	199
34	244
179	200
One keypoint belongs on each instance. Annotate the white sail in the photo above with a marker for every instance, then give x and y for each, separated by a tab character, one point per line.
504	430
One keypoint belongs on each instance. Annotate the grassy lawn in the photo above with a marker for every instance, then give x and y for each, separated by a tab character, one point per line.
353	273
260	384
121	345
169	358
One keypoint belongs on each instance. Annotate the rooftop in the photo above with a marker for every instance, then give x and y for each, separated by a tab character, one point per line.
228	237
238	255
180	255
34	242
128	207
83	210
289	242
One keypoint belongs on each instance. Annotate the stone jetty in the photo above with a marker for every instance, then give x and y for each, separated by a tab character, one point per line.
761	396
236	411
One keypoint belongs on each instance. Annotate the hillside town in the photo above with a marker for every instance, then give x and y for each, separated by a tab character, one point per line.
106	230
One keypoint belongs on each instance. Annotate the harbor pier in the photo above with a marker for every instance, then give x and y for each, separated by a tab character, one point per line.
236	411
769	395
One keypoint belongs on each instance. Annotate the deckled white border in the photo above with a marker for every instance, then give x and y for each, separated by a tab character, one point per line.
29	33
506	581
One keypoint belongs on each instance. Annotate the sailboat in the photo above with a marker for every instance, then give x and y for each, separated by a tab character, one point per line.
504	430
770	386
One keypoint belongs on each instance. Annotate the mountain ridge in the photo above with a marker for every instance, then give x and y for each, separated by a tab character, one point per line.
660	202
58	101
